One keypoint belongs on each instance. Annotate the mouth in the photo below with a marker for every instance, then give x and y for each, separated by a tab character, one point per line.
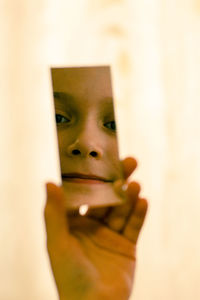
84	178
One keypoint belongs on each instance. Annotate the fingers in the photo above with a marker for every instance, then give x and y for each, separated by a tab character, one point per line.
118	216
55	215
129	164
98	213
136	220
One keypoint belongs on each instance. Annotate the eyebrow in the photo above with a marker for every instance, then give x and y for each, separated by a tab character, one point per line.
63	96
70	98
107	104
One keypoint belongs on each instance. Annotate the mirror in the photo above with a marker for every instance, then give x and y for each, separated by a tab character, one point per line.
87	136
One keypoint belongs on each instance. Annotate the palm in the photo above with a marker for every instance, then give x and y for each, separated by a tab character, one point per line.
94	257
109	256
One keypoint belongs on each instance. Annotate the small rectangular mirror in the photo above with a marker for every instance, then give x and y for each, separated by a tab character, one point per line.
87	138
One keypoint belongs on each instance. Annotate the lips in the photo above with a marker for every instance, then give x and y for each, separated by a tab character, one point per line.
85	176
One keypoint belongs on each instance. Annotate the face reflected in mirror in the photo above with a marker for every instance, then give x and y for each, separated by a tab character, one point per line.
87	137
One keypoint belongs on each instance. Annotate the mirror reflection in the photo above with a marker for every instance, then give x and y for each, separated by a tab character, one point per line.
87	136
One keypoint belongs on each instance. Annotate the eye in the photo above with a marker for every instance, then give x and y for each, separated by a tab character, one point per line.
110	125
60	117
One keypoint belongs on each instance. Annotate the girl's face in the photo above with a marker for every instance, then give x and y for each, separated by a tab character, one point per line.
86	134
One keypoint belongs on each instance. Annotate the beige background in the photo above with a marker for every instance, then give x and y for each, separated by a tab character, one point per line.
154	50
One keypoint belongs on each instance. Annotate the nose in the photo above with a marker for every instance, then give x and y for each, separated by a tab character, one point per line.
85	148
87	140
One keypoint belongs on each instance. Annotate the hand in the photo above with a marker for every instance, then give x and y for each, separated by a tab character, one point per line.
93	257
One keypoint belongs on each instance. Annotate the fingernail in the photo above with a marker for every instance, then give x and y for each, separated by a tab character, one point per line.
50	187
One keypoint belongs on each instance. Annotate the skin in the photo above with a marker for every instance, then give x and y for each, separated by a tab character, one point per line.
94	256
91	256
86	137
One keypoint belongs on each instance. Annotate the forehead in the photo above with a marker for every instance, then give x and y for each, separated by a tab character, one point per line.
83	83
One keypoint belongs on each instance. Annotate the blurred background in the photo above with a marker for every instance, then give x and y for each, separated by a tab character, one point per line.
153	48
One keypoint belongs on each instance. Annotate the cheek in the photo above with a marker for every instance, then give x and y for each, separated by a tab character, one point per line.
64	139
112	157
112	149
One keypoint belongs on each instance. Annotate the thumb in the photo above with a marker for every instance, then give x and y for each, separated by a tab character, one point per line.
55	215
